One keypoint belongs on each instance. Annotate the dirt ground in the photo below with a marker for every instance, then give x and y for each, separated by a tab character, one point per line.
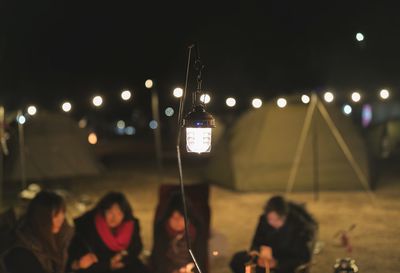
376	237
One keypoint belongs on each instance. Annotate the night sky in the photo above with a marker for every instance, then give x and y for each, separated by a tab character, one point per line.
54	50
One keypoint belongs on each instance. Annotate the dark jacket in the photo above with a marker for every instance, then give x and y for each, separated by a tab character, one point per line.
291	244
29	255
87	240
168	255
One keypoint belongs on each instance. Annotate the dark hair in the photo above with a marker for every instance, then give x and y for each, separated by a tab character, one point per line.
112	198
175	204
277	204
39	218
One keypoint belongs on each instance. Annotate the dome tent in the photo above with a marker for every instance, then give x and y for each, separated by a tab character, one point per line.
55	147
268	149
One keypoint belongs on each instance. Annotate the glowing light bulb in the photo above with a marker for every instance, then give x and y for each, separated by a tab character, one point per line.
66	106
32	110
126	95
230	102
97	101
329	97
178	92
198	140
305	99
257	103
281	102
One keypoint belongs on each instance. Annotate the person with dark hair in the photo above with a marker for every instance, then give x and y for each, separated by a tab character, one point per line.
170	253
283	240
109	237
42	237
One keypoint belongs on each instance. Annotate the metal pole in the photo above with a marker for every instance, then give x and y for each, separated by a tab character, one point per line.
157	132
315	159
21	138
302	142
346	151
1	178
2	119
179	161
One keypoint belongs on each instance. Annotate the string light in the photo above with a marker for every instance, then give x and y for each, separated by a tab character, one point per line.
329	97
97	101
32	110
126	95
384	94
178	92
230	102
205	98
281	102
305	99
356	96
256	102
66	106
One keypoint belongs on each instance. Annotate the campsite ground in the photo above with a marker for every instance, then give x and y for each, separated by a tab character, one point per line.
376	238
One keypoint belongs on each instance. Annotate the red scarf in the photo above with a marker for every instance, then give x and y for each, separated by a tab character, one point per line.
173	233
117	241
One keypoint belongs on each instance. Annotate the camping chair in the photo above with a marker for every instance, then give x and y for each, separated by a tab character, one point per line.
198	196
8	221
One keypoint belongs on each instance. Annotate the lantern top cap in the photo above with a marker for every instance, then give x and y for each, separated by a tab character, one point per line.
199	118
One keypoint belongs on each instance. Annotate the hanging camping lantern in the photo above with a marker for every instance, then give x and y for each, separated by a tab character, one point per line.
198	124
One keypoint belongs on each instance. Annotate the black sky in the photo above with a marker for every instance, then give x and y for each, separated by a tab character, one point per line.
52	50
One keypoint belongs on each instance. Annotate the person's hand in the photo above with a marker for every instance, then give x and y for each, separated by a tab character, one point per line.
264	256
266	252
261	262
116	262
187	268
272	263
85	261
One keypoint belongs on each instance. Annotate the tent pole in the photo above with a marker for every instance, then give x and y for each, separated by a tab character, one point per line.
2	152
300	147
315	160
347	153
157	133
22	151
1	178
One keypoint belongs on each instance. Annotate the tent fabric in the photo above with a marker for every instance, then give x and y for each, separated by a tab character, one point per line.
258	151
55	147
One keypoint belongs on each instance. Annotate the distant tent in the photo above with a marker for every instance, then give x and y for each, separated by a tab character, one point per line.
258	151
384	139
55	147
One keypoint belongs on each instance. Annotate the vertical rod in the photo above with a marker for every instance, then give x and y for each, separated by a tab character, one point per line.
2	141
302	142
315	159
157	132
1	178
346	151
21	138
179	161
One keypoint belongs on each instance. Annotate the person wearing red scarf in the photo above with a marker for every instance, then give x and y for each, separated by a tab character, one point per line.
110	235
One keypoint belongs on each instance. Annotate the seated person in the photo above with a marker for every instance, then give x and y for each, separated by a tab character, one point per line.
41	237
170	253
283	238
107	238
